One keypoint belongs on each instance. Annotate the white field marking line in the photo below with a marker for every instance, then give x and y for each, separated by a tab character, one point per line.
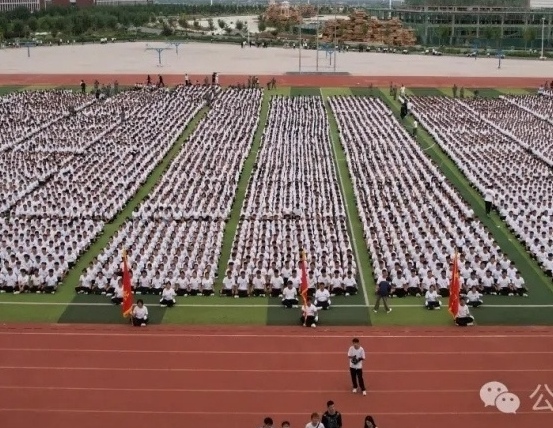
250	391
222	306
264	371
226	414
329	112
202	352
140	334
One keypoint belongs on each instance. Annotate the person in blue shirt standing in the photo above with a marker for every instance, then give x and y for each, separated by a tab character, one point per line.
383	290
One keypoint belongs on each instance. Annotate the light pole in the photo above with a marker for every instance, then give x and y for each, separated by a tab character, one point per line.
159	52
317	40
176	45
335	37
542	57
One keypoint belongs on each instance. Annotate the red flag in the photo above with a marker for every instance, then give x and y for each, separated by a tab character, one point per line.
454	288
127	289
304	284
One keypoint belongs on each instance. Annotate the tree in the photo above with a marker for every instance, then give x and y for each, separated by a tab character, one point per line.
32	22
210	24
18	28
183	21
173	22
239	25
228	30
529	35
221	23
261	26
167	31
196	24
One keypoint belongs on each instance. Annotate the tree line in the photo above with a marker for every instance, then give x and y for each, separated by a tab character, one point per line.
71	21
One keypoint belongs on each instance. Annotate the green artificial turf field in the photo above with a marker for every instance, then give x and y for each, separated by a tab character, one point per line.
66	307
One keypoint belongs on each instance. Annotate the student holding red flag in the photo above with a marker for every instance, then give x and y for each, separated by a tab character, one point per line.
304	284
457	307
127	304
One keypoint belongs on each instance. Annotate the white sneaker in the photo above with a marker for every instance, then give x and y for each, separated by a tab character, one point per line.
375	311
314	325
143	325
347	294
525	295
236	296
16	292
389	310
354	390
364	392
511	294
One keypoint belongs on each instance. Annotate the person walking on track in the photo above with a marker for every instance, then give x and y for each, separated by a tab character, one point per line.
356	355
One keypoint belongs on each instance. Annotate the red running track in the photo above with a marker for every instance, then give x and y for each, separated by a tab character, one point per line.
112	376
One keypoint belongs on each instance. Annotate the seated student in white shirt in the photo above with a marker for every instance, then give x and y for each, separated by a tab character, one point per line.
463	317
399	285
117	297
519	285
50	282
258	284
23	281
309	317
277	283
350	284
194	284
242	285
228	285
322	297
290	296
432	299
414	284
474	298
181	284
488	283
139	314
168	296
84	284
505	285
207	285
336	287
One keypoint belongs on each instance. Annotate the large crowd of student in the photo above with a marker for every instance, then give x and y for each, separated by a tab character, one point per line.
413	219
492	159
294	202
69	163
176	234
68	170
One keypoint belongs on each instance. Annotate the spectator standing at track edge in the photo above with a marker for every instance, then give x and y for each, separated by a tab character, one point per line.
356	355
331	418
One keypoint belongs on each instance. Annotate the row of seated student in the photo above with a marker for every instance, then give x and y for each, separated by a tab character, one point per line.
504	284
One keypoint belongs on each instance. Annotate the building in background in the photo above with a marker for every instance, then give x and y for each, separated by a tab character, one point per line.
7	5
497	24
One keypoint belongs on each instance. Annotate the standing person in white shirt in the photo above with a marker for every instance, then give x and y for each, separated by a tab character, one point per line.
356	355
432	299
463	317
139	314
290	296
309	317
474	298
168	295
489	197
315	421
322	297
